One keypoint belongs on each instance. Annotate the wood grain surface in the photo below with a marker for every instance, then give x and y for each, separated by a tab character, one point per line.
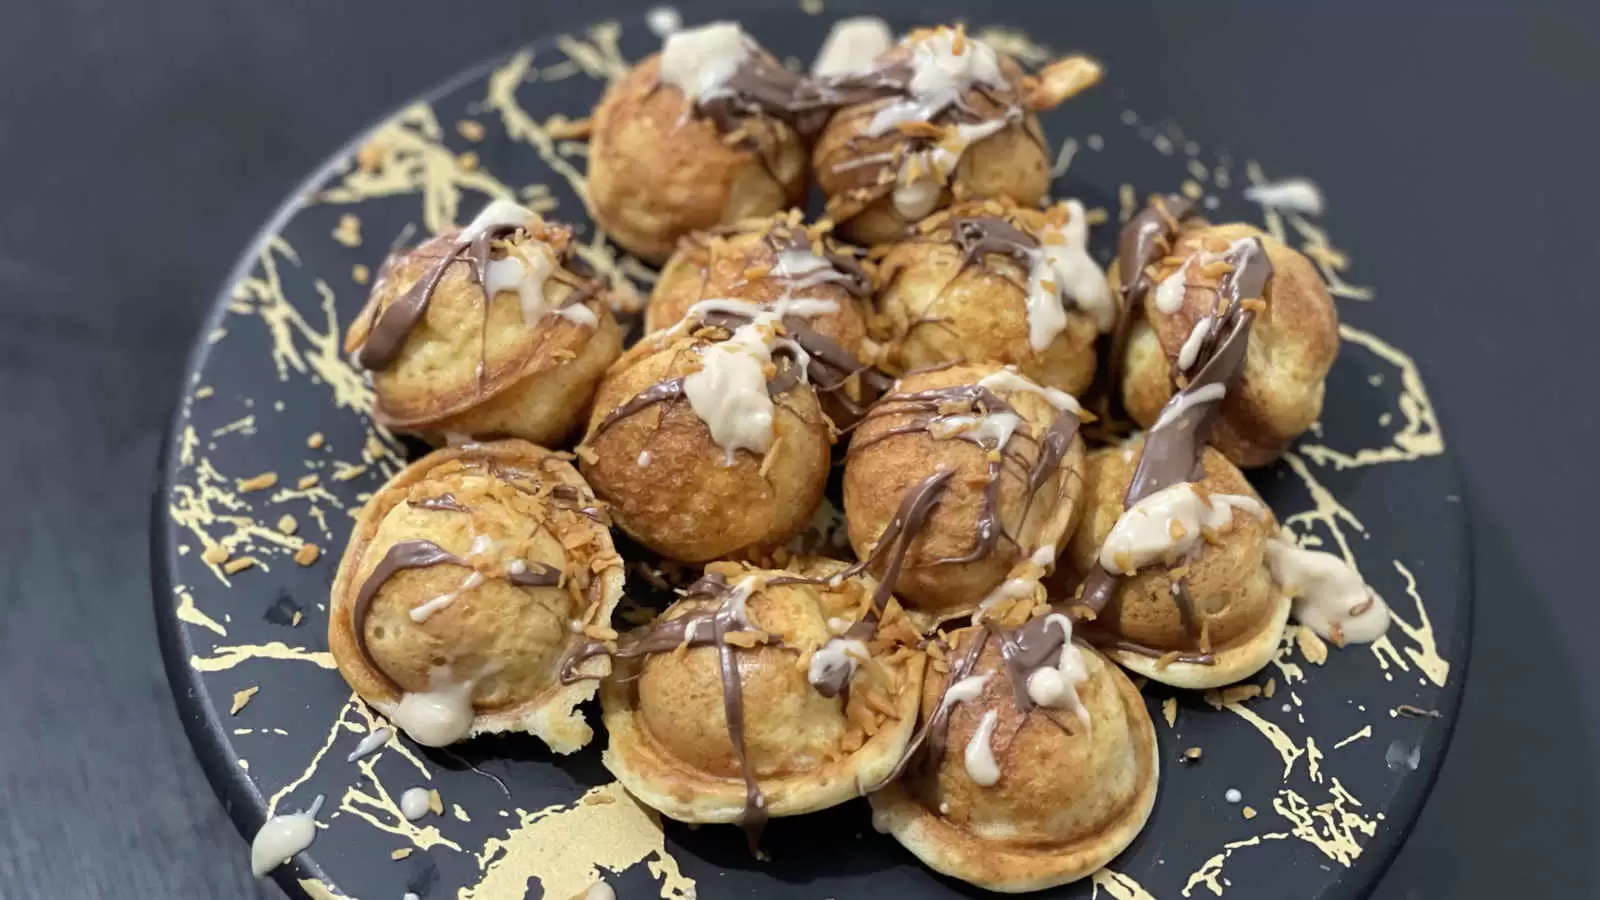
141	145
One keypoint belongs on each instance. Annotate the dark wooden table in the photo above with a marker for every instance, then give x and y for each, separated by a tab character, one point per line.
141	145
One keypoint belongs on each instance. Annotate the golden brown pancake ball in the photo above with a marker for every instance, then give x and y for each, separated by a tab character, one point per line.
1239	612
1066	797
667	710
983	283
1293	343
671	485
524	362
663	164
765	261
462	588
915	135
947	420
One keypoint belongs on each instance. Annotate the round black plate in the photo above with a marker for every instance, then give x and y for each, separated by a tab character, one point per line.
1332	768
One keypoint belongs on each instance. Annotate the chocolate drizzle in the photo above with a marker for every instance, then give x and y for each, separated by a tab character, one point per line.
414	554
388	328
978	236
420	553
716	608
1144	241
931	406
1024	649
1173	448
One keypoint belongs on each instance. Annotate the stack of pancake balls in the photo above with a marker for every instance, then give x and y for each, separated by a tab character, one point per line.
1041	486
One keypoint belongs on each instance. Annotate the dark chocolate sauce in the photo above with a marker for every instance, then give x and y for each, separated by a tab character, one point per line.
414	554
388	328
1174	446
711	614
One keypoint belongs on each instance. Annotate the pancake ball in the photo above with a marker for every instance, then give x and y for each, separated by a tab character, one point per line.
1238	612
1021	800
678	146
1293	342
1001	499
464	583
804	750
937	115
993	281
516	353
698	453
764	261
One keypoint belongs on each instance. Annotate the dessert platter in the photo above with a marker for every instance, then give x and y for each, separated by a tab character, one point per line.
821	456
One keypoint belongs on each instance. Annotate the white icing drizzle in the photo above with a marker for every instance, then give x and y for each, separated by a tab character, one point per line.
421	612
1010	589
374	739
438	716
965	690
981	767
1169	293
1166	525
700	61
414	803
1292	194
852	45
1328	592
1063	268
939	77
729	392
1206	393
837	654
991	431
1009	379
1045	556
497	214
1056	687
523	275
918	199
664	20
282	836
481	545
1191	345
871	159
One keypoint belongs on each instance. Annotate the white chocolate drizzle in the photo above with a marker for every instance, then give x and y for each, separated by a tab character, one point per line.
852	45
497	214
1061	267
699	61
374	739
1328	593
422	611
838	654
414	803
1056	687
939	77
1206	393
1009	379
1191	344
1293	194
1167	524
282	836
438	716
981	767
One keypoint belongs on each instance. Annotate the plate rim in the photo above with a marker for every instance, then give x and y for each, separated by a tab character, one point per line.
236	790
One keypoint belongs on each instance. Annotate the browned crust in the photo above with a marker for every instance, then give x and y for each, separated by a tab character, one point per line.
1293	344
372	685
657	172
1018	867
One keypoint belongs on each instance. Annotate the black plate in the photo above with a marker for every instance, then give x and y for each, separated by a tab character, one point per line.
1333	767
